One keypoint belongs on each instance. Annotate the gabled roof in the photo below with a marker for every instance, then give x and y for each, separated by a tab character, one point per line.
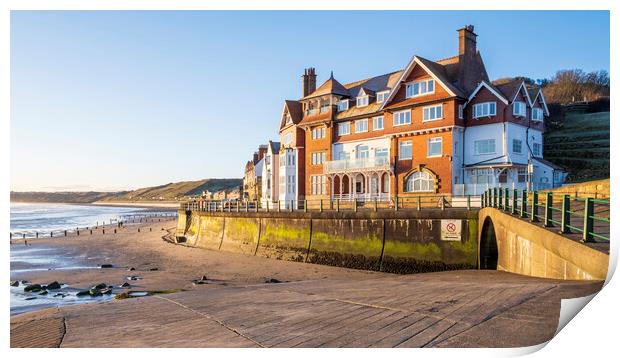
539	92
548	163
275	146
294	109
365	92
511	89
331	86
435	70
491	88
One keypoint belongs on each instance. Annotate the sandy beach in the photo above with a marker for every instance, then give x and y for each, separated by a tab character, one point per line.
252	301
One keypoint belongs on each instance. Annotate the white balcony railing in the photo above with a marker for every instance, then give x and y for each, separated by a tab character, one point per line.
348	165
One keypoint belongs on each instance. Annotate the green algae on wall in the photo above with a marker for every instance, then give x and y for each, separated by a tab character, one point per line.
210	232
241	235
284	239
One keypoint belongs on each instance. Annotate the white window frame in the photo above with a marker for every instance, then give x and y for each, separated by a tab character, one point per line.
407	116
518	105
461	111
361	123
318	185
382	96
537	153
342	105
431	141
375	121
318	133
405	143
317	158
365	100
537	118
410	86
427	111
421	178
520	144
478	110
288	138
488	141
342	126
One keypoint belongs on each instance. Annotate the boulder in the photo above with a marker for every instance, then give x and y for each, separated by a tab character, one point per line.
83	293
15	283
107	266
100	286
107	291
154	269
33	288
125	285
94	292
53	286
204	278
131	269
43	293
273	280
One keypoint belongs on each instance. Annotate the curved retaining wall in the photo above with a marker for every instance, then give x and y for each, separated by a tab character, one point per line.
528	249
401	242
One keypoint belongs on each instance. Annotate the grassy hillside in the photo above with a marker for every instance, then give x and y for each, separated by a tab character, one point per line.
580	144
167	192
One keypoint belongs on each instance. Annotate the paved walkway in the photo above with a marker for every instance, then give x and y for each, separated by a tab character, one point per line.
447	309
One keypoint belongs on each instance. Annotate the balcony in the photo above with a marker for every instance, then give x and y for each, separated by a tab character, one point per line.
353	165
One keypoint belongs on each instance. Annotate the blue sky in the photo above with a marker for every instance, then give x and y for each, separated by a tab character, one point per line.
107	100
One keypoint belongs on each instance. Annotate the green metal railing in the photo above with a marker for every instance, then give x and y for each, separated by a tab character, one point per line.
561	211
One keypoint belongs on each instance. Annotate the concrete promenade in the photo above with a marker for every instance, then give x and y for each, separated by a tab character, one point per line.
447	309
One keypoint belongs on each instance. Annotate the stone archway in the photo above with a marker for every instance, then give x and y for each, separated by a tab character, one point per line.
488	251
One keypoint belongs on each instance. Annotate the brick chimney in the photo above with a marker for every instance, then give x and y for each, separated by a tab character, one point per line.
308	82
468	67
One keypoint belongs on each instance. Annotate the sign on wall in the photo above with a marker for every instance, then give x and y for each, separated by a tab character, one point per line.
451	230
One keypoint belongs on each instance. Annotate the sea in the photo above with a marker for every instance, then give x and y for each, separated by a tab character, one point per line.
30	218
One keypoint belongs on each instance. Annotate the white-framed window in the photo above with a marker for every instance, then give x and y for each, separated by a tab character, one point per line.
317	158
361	125
485	109
282	160
343	105
288	138
377	123
382	96
537	149
344	128
485	146
290	184
318	133
317	184
434	147
361	152
419	88
381	152
461	112
518	108
517	146
404	150
325	104
402	118
537	114
361	101
432	113
343	155
420	182
522	175
481	176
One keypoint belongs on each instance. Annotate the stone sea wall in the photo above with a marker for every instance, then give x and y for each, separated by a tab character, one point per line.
399	242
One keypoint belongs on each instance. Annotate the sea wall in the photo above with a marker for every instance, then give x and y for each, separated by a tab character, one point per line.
400	242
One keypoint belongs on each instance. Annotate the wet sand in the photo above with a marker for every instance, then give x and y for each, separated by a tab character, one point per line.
313	306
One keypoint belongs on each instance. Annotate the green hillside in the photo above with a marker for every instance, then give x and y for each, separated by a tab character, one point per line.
580	144
168	192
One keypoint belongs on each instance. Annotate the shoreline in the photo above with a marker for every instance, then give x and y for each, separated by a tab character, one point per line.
244	292
130	204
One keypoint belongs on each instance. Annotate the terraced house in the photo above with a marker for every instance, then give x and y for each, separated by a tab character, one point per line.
433	127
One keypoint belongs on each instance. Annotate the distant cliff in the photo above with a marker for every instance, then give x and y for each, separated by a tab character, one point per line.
163	193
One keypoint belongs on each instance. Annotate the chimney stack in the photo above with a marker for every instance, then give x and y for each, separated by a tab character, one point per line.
308	82
468	66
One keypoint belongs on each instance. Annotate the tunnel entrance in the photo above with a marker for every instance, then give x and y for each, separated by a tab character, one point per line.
488	246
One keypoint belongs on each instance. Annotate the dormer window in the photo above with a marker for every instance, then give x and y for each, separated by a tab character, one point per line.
382	96
486	109
537	114
324	106
343	105
420	88
361	101
518	109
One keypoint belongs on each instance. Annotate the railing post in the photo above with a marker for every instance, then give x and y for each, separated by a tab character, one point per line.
500	199
355	205
337	205
419	203
443	204
523	212
375	204
255	205
305	205
506	199
588	221
548	211
515	194
279	205
247	206
267	202
320	205
565	214
495	197
292	203
395	202
237	205
534	207
468	202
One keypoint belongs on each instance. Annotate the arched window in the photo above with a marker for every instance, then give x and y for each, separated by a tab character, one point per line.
420	182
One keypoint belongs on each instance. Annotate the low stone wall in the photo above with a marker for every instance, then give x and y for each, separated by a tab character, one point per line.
402	242
598	189
527	249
